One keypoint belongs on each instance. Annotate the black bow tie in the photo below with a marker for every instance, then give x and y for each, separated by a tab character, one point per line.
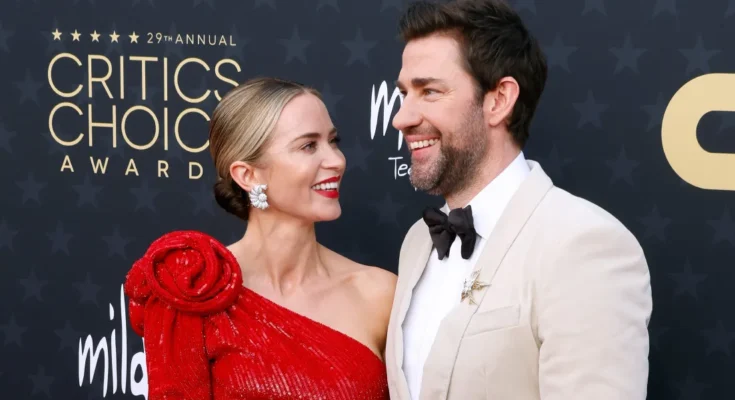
444	229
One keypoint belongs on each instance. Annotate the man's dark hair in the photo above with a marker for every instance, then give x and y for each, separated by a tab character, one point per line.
495	43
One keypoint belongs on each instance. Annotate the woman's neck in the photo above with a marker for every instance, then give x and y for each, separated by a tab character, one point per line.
279	252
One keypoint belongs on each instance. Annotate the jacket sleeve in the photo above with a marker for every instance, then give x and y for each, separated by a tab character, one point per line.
184	278
594	307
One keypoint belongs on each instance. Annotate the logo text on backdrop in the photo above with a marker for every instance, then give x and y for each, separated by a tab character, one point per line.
98	106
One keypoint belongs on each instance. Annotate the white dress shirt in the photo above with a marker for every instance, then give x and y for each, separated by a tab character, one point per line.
440	287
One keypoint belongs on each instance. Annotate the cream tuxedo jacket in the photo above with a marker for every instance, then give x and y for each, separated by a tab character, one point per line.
565	315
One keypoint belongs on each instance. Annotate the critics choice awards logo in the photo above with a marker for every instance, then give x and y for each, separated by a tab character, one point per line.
136	103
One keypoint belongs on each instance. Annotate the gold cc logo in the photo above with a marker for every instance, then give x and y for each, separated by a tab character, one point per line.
701	168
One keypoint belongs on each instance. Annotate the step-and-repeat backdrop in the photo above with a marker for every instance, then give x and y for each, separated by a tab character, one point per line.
103	126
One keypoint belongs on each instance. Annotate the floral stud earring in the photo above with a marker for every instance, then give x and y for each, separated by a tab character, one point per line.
258	198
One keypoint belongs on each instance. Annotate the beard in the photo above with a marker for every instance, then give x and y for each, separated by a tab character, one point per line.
453	169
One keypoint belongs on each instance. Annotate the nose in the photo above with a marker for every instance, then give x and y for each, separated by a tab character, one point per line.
334	159
407	116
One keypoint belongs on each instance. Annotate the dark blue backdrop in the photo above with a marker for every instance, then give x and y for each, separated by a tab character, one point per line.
69	231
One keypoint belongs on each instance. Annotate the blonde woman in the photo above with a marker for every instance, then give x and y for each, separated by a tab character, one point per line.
274	315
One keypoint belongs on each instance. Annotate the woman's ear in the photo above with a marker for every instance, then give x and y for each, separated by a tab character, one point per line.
244	175
498	104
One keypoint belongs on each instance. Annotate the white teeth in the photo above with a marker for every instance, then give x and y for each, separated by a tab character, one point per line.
326	186
423	143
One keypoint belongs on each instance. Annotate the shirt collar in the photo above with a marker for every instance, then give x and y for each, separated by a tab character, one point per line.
489	203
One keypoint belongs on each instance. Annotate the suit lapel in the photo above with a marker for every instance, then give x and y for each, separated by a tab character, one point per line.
416	258
440	363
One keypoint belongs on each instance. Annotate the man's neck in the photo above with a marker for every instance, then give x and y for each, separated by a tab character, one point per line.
494	165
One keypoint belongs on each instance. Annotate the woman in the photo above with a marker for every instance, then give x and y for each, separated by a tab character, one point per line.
274	315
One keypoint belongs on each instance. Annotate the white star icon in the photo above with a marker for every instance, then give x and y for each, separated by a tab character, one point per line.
95	36
75	35
133	38
114	36
57	34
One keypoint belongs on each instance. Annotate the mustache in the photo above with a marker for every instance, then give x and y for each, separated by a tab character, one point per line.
422	130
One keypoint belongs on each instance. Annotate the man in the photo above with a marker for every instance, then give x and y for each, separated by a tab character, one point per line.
524	291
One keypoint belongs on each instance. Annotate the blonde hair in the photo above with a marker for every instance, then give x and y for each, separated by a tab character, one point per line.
241	128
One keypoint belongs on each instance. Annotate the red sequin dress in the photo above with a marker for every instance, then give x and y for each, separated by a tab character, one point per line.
207	337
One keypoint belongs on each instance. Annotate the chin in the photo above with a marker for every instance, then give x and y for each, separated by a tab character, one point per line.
330	214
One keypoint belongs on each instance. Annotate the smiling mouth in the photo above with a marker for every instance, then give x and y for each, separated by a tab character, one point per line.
422	144
328	189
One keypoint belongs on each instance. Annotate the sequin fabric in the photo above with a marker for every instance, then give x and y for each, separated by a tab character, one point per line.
207	337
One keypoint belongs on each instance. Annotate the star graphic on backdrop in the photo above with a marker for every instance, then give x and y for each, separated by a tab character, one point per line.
76	36
395	4
698	57
145	196
655	111
5	137
719	338
655	225
95	36
594	5
730	8
59	239
203	200
690	389
54	46
270	3
57	34
31	189
687	281
41	382
558	53
7	234
359	48
238	50
554	163
325	3
87	290
724	228
116	243
330	99
113	46
622	168
13	332
357	156
87	192
210	3
589	111
664	6
133	37
627	55
295	46
387	210
32	286
28	88
5	34
171	47
655	334
68	336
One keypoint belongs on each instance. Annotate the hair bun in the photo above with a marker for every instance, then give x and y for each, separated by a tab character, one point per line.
231	198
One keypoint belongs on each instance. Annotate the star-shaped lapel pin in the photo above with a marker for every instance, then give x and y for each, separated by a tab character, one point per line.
471	285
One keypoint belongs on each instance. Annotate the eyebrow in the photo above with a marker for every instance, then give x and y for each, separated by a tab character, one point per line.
419	82
314	135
